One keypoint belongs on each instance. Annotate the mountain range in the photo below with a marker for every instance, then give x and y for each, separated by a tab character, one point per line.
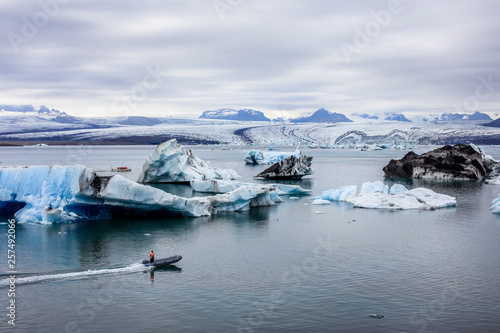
320	116
24	124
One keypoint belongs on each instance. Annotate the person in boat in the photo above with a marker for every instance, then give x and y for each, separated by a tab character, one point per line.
151	256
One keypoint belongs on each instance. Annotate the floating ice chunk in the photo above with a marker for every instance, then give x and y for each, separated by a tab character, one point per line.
495	205
432	199
397	188
243	198
338	194
493	181
283	189
419	198
375	187
321	202
170	163
385	201
224	186
261	157
290	168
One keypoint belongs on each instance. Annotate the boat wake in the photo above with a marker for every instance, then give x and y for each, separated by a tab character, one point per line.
23	279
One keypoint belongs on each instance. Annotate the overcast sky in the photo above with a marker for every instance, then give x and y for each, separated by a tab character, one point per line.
162	58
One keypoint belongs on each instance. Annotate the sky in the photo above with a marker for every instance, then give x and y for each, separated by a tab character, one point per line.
284	58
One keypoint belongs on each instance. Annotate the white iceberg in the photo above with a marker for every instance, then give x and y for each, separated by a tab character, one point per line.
493	181
68	193
495	205
321	202
224	186
243	198
418	198
267	157
397	188
171	163
375	187
377	195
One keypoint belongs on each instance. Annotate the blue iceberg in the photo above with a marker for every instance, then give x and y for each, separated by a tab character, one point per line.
268	157
72	193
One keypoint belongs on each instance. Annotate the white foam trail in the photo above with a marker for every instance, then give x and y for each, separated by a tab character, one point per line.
75	275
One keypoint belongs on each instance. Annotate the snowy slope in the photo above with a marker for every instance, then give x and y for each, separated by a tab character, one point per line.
41	128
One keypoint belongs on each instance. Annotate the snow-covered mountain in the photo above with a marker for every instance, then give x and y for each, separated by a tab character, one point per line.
464	117
392	116
365	116
322	116
231	114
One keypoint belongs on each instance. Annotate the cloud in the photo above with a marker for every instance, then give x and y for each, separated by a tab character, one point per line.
278	57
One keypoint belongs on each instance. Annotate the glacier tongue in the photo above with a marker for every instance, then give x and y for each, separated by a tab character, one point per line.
171	163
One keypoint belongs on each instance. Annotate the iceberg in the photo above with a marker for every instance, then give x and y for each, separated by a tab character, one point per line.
397	188
375	187
377	195
69	193
418	198
244	197
495	205
321	202
449	162
261	157
224	186
290	168
338	194
171	163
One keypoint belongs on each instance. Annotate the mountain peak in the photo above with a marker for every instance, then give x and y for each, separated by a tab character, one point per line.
322	116
231	114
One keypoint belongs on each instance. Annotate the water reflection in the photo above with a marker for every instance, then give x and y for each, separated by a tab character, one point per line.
161	270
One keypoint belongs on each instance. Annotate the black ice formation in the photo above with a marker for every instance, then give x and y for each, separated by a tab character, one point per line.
449	162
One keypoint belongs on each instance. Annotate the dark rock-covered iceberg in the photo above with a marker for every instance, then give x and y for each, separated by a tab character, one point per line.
290	168
449	162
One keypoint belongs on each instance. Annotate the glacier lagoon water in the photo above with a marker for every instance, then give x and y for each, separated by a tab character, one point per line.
294	267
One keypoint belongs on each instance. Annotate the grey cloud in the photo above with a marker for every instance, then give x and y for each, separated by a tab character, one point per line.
281	56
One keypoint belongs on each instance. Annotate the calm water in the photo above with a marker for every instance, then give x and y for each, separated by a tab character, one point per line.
294	267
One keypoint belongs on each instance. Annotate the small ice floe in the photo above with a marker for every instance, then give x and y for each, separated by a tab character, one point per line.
62	233
338	194
319	212
147	234
377	195
294	198
321	202
495	205
375	316
305	204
